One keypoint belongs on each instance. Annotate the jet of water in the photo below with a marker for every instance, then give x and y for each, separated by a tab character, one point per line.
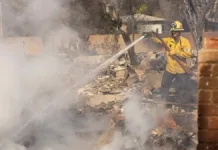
84	80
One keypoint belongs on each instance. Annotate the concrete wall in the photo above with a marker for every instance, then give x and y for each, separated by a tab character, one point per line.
34	45
31	45
100	42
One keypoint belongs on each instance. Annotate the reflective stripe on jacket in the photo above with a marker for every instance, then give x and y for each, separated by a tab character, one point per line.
182	49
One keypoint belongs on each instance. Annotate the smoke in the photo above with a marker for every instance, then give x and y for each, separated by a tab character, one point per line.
40	18
38	105
34	102
11	88
139	122
27	84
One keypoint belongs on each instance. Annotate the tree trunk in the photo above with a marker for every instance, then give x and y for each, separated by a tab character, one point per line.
195	12
131	51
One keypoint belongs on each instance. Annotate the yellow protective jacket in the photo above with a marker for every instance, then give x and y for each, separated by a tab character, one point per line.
182	49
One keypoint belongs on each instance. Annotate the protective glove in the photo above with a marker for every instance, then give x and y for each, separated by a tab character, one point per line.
194	76
148	34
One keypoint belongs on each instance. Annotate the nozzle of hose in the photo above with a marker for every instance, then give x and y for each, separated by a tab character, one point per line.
147	34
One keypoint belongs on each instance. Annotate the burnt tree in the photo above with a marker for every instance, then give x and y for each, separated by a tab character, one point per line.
195	12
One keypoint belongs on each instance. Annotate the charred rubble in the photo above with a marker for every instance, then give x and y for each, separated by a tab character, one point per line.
106	95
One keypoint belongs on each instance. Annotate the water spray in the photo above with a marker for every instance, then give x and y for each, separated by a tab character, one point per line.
86	79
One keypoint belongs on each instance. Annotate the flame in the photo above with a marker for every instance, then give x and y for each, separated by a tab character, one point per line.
167	122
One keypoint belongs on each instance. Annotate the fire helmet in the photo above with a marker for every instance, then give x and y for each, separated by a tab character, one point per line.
176	26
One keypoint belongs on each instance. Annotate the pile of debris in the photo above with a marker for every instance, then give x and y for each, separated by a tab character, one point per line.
120	76
166	135
107	95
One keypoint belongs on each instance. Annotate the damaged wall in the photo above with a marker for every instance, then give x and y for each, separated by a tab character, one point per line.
207	93
97	42
31	45
207	98
210	40
40	108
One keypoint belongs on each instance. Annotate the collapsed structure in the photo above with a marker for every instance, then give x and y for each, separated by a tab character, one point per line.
107	94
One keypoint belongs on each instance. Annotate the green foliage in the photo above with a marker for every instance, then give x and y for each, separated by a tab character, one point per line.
142	9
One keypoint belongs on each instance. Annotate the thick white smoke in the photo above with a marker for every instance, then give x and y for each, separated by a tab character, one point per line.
139	122
27	84
33	97
34	102
35	94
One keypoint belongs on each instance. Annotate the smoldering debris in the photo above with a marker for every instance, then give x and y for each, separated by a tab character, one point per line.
100	115
145	129
161	130
133	124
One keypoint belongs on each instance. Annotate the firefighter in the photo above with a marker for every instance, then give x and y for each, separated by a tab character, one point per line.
180	47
